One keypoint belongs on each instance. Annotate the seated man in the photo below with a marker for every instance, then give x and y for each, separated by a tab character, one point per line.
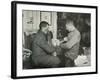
42	51
71	45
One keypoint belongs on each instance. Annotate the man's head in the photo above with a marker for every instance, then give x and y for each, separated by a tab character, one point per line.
44	26
69	25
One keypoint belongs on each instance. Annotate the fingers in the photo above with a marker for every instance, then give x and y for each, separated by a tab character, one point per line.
54	54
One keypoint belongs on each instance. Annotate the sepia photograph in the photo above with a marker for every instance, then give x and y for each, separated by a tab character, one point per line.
56	39
53	39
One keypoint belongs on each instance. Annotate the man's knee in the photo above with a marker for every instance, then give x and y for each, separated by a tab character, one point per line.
54	60
48	61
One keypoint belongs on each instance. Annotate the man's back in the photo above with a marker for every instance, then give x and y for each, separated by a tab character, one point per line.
74	42
72	45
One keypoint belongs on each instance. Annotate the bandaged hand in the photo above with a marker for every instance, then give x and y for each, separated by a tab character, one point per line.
65	38
55	42
54	54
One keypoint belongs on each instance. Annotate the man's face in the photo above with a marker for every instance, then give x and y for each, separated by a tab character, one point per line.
69	26
46	29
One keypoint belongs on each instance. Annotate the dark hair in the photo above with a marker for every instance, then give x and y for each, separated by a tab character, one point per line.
43	24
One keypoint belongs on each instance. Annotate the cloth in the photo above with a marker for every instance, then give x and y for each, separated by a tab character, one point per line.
82	60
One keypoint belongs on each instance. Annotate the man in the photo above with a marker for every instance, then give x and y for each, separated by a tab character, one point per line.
71	46
42	51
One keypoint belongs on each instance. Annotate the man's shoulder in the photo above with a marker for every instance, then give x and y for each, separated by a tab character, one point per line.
77	33
39	36
74	33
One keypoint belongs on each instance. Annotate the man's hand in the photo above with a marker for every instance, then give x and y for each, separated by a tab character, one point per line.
54	54
55	42
26	53
64	40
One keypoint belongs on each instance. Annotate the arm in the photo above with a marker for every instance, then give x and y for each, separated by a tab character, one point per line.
42	42
69	44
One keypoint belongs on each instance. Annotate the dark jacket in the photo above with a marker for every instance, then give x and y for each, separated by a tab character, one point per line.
40	45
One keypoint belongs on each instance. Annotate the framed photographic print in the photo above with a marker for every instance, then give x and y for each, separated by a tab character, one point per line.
53	39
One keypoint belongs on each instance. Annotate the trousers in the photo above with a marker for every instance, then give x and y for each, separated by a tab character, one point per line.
44	61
